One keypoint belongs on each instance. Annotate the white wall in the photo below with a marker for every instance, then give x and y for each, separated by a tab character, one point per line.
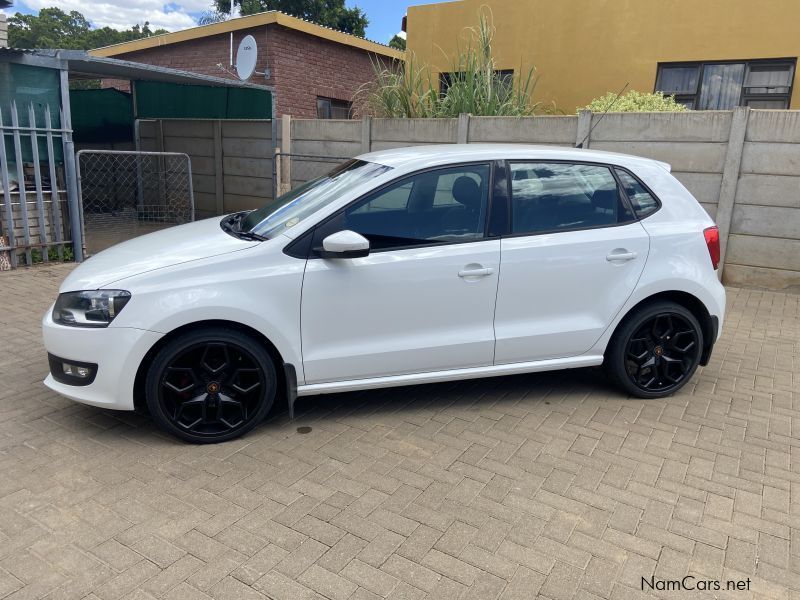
3	31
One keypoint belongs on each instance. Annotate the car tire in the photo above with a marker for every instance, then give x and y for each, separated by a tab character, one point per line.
211	385
655	350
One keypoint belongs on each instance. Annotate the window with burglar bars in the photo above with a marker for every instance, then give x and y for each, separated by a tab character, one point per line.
504	78
724	85
329	108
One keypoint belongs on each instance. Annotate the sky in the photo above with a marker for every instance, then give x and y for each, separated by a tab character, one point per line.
385	15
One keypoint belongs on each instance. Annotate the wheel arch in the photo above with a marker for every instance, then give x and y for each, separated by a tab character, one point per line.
139	402
693	304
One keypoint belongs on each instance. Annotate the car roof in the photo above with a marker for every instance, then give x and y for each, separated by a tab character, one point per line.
444	154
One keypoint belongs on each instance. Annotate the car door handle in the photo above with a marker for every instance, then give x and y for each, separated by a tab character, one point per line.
482	272
620	256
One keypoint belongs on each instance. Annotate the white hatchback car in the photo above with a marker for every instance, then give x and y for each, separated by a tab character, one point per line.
405	266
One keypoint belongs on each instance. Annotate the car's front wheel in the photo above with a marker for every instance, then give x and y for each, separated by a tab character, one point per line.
211	385
655	351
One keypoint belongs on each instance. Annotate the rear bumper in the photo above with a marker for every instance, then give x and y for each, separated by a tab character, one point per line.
117	352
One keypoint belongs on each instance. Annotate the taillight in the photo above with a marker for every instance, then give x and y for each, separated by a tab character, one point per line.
712	241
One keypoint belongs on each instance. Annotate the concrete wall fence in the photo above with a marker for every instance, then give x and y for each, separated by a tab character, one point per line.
231	160
743	166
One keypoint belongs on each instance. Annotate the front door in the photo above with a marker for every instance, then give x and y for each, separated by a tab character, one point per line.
573	258
423	300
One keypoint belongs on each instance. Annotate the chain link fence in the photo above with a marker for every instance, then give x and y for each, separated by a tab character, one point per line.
125	194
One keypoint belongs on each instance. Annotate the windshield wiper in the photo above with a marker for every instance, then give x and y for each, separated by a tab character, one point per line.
232	226
249	235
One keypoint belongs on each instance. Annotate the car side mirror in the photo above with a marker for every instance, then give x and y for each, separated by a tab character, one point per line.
344	244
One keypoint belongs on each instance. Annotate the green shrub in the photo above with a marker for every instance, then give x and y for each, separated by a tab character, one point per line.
52	254
635	101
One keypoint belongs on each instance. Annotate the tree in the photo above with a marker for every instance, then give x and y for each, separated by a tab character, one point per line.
210	17
330	13
398	43
54	28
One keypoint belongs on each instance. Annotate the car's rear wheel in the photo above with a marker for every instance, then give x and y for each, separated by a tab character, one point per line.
655	351
211	385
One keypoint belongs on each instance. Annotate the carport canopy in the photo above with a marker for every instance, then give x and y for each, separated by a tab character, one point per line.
81	65
158	92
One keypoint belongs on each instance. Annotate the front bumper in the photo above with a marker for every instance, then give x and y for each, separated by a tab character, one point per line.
117	352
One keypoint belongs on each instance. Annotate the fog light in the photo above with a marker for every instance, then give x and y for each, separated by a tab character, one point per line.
71	372
76	371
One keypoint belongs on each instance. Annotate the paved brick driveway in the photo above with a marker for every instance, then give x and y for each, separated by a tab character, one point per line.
547	485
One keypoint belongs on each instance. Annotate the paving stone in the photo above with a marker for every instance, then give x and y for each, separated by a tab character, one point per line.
412	573
562	582
326	583
370	578
474	489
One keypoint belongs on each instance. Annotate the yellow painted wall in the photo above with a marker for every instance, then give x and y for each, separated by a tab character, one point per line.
585	48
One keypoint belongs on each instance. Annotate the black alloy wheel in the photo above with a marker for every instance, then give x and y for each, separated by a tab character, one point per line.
656	350
211	385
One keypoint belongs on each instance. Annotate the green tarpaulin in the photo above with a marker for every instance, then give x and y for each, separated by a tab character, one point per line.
155	100
101	115
30	86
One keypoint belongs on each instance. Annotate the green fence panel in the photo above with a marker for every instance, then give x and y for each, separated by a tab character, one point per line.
155	100
104	116
28	85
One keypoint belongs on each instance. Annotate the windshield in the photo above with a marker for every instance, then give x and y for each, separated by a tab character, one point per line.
294	206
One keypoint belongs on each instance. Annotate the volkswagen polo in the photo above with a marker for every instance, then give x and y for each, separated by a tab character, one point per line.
399	267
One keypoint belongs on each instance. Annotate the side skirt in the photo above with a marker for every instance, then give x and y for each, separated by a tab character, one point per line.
450	375
291	386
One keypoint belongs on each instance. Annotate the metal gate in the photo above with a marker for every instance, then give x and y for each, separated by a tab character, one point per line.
125	194
37	188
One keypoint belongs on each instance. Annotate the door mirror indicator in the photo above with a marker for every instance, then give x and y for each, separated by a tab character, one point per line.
344	244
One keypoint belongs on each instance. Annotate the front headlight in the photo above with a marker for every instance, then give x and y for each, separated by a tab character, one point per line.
94	308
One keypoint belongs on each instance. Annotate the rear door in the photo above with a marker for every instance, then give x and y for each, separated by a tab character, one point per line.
573	257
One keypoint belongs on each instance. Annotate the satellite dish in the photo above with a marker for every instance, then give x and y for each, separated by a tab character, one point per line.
246	57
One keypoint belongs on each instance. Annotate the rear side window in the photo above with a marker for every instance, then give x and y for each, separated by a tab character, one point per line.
564	197
642	201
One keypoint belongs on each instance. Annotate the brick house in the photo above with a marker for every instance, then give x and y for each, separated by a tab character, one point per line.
315	71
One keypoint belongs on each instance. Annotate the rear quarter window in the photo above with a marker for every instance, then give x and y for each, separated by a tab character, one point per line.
643	202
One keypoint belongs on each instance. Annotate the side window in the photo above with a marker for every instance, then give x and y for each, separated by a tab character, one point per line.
644	204
563	197
444	188
393	199
440	206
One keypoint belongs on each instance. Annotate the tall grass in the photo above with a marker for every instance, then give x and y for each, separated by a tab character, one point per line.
400	90
407	90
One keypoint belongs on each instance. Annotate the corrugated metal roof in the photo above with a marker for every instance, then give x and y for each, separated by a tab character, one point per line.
80	64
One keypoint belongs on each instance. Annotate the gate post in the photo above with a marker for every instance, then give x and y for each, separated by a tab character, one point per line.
276	171
286	149
73	200
730	180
